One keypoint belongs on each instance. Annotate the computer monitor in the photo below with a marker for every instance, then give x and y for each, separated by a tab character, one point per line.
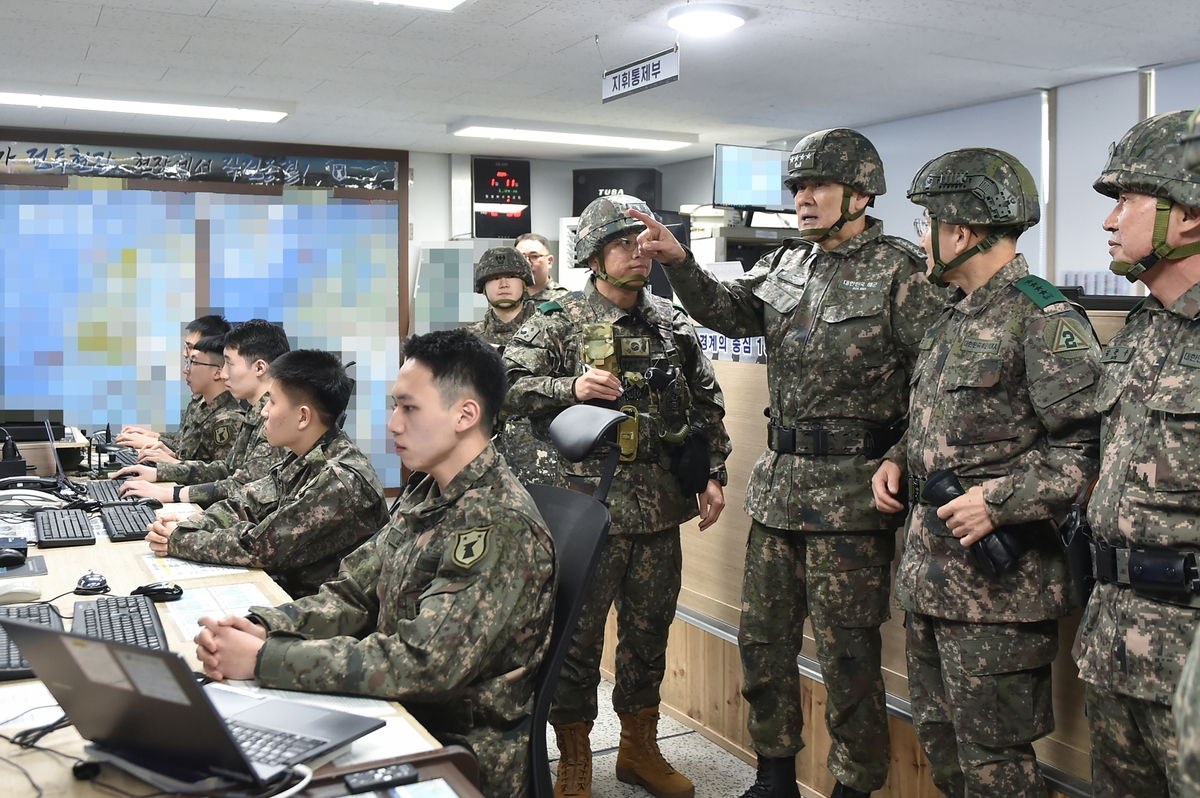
751	178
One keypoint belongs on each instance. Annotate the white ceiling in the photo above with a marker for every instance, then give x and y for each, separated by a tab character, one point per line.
350	72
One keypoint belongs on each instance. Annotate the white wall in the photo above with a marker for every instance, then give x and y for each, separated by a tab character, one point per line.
1013	125
1177	88
1091	116
428	204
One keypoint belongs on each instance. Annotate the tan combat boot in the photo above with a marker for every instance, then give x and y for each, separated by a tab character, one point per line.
640	762
574	760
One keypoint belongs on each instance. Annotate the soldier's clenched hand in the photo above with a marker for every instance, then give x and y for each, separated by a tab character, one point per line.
228	648
160	532
886	487
657	241
597	384
967	516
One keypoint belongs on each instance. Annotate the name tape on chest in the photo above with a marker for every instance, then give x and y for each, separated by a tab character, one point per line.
979	346
860	285
1116	354
1191	358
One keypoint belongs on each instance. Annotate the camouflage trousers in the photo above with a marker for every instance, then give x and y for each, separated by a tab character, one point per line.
1134	750
641	575
534	461
843	583
980	696
504	759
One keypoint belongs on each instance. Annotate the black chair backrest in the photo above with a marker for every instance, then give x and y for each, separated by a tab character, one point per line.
579	526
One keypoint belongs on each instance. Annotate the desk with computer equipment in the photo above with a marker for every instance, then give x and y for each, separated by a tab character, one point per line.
74	581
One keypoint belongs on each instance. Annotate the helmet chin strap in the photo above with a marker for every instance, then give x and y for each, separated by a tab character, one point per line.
1161	251
504	304
940	267
819	234
632	283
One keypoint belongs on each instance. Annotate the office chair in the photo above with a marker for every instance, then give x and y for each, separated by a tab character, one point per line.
579	526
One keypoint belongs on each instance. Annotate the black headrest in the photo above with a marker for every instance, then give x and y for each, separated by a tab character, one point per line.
580	429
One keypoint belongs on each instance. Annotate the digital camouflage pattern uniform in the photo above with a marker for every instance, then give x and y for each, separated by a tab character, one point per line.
186	418
1187	697
250	458
296	523
1132	646
641	563
532	460
1003	395
550	291
210	430
841	331
447	610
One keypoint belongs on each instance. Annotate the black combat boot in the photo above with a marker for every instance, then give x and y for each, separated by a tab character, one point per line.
842	791
776	779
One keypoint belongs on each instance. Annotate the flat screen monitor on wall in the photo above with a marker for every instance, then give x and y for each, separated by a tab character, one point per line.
751	178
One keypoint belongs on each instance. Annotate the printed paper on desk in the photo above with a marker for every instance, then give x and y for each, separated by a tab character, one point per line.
166	569
26	705
213	602
398	738
434	788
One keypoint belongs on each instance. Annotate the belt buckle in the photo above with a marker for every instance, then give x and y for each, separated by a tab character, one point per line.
785	438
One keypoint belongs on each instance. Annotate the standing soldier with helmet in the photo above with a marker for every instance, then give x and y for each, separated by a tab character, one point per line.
502	275
1145	509
1002	436
618	345
842	308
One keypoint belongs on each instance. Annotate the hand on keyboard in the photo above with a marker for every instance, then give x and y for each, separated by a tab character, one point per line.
157	452
148	473
140	489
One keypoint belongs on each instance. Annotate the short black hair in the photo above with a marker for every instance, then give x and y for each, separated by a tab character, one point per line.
258	339
213	346
462	362
545	242
209	325
316	378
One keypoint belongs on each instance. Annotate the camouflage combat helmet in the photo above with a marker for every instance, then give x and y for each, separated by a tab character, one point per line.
1191	143
975	186
1149	160
605	220
839	155
498	262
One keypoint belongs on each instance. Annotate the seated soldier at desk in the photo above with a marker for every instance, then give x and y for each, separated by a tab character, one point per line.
212	426
448	609
139	437
315	506
249	351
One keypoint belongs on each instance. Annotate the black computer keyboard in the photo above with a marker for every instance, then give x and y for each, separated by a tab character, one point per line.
57	528
270	746
126	521
12	664
104	490
124	455
123	619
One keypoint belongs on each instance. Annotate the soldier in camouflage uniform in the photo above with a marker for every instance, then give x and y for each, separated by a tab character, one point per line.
502	275
211	428
1187	697
249	351
448	609
1145	508
842	309
139	437
315	506
619	345
536	250
1002	396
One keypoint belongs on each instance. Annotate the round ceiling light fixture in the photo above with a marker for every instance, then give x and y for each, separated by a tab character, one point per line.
706	19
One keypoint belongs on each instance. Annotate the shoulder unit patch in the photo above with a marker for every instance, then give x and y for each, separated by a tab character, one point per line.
223	434
1067	335
470	546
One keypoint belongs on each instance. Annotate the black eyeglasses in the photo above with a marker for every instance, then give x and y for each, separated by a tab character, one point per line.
191	361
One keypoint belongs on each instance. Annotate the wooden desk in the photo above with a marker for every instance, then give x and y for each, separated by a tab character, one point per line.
122	565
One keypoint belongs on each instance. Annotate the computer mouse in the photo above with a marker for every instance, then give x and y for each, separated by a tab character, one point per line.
11	558
159	591
91	584
153	504
14	591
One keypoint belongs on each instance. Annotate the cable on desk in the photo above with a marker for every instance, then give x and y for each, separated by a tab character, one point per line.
36	787
29	738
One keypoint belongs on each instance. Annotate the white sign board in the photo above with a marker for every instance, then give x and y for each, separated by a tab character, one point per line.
645	74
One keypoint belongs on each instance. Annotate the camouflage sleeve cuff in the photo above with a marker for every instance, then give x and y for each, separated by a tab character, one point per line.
564	390
204	495
995	493
172	472
269	669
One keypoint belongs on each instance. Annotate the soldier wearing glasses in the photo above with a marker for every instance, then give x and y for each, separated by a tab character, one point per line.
617	344
536	250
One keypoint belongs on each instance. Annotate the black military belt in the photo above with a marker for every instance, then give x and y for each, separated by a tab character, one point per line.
1161	574
915	486
873	442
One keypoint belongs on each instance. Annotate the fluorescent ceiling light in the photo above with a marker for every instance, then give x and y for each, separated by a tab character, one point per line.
432	5
563	137
134	107
706	19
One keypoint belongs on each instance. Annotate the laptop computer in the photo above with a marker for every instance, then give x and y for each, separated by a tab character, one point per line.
146	708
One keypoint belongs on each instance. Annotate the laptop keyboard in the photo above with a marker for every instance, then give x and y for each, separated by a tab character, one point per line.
12	664
270	746
56	528
123	619
126	521
104	491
